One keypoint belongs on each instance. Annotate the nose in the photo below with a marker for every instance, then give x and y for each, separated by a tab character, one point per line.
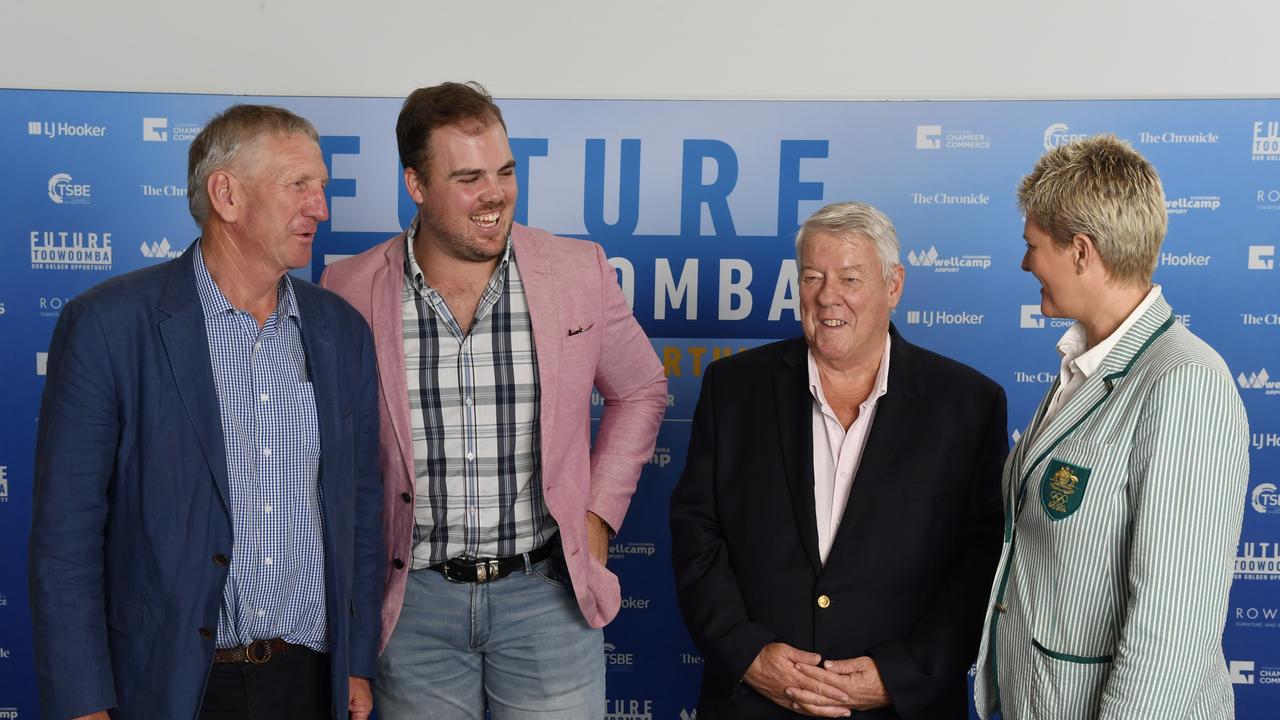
827	292
316	207
1025	267
493	192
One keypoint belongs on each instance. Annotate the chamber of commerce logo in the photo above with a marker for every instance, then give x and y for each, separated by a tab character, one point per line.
1262	257
1059	134
1269	199
618	551
929	318
947	264
1258	561
1265	499
70	250
620	709
42	364
4	486
1260	380
159	250
1241	672
941	198
1030	317
157	129
55	129
931	137
1183	205
1169	137
62	191
1266	140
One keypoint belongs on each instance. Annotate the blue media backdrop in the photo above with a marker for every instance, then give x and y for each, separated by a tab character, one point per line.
696	203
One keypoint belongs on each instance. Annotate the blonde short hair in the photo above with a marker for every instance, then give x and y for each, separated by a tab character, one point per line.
851	219
1102	188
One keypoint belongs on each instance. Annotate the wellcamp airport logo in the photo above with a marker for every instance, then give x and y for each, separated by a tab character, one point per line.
9	713
1030	318
1059	134
1183	205
64	191
1260	380
932	137
1262	257
57	129
70	250
929	318
1169	137
1266	140
158	250
618	551
158	129
1264	499
947	264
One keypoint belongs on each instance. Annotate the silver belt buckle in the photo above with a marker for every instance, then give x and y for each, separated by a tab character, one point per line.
486	571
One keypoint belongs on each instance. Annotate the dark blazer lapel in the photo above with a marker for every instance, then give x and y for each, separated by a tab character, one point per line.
895	412
186	346
322	369
795	425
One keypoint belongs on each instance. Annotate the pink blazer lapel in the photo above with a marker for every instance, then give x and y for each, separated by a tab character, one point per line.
544	313
388	339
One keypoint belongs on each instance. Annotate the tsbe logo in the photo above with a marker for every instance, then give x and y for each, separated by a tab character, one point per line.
4	484
159	250
947	264
62	191
620	709
1241	672
1059	134
1258	561
1183	205
1265	499
1169	137
931	137
929	318
1029	317
1260	380
70	250
56	129
157	129
1262	257
615	659
1266	140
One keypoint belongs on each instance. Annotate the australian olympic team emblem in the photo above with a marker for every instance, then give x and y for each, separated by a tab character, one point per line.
1062	488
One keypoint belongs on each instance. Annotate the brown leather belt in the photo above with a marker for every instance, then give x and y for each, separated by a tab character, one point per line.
482	570
255	653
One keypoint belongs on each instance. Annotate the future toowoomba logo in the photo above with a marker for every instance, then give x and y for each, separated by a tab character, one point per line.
70	250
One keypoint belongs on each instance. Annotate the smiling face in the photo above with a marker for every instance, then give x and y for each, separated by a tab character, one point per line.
845	302
467	200
1054	266
284	178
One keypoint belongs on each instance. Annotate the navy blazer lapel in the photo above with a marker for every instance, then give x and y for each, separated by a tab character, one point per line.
322	368
895	412
186	344
795	425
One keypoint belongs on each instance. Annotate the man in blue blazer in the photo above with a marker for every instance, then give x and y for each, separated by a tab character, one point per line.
206	540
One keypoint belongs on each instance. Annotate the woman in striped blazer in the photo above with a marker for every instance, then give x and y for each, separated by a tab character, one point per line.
1123	499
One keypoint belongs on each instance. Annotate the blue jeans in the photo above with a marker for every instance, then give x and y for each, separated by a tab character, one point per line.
518	646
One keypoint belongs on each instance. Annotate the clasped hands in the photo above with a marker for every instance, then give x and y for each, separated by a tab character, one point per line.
803	682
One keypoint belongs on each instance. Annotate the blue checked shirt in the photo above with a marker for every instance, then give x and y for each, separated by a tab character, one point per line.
276	585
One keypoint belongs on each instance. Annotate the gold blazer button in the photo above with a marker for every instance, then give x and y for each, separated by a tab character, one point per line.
824	602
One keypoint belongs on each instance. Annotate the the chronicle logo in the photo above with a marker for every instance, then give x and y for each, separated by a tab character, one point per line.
942	198
1271	319
1044	377
1029	317
1265	499
1180	206
1258	561
1260	380
929	318
1266	140
1059	134
1262	257
159	250
70	250
62	191
1169	137
55	129
157	129
931	137
947	264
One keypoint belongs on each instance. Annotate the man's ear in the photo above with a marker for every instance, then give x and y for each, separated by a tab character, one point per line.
226	196
416	185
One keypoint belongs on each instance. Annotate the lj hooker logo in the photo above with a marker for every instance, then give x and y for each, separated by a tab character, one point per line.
70	250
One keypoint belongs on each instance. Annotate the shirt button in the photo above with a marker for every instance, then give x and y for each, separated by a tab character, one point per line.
471	456
266	509
257	344
264	397
266	561
261	612
824	602
467	401
266	452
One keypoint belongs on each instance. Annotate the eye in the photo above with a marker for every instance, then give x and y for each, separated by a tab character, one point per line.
467	180
507	172
850	280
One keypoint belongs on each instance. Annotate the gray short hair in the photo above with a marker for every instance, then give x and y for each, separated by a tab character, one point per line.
225	137
1102	188
849	219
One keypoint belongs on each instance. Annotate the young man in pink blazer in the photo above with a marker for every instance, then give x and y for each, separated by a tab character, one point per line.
498	509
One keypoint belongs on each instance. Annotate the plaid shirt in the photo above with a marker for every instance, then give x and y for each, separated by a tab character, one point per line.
269	427
473	408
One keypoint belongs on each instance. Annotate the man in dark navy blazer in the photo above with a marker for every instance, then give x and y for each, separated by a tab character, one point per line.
206	539
838	520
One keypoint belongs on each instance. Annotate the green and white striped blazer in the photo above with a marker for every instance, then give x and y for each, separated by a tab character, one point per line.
1122	517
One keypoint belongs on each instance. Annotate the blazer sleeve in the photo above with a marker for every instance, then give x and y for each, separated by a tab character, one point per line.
370	559
1189	469
917	668
74	464
630	379
706	585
